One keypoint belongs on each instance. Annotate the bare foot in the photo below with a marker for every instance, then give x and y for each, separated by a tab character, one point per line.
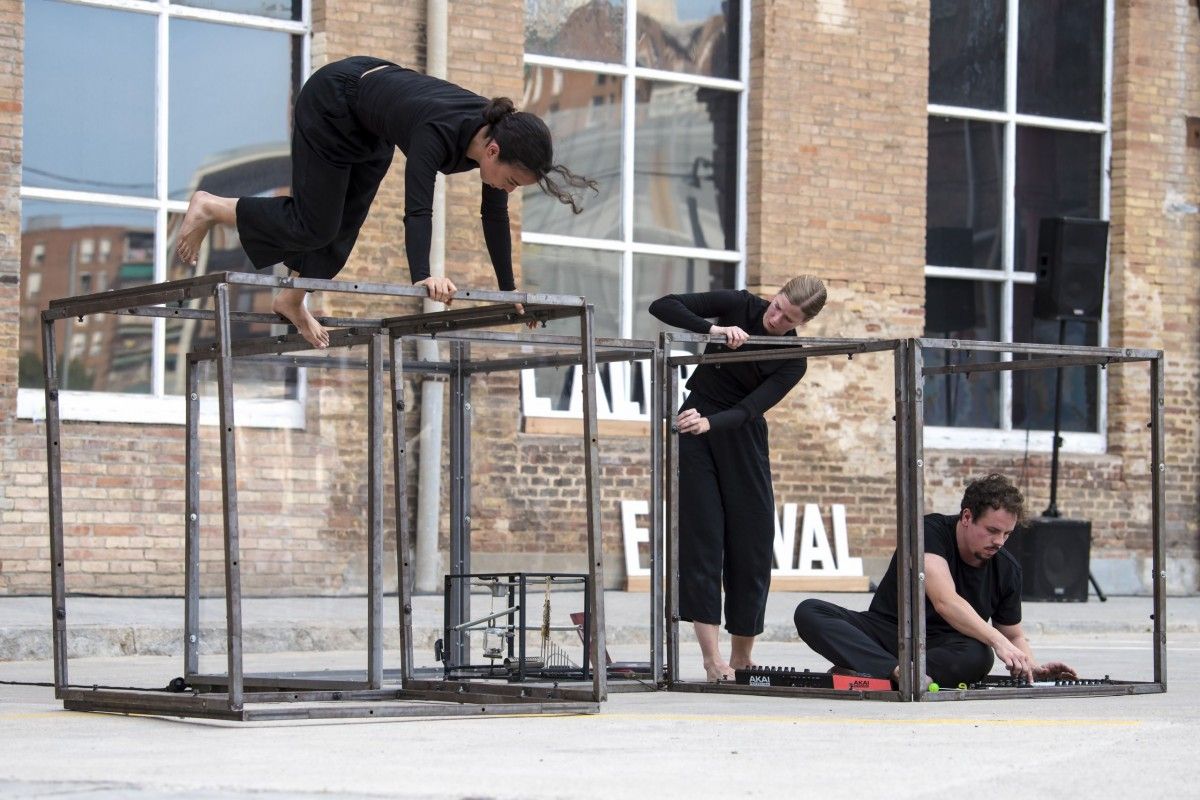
289	304
736	664
200	217
717	671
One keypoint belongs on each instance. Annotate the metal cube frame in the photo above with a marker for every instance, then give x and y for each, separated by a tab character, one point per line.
909	371
235	695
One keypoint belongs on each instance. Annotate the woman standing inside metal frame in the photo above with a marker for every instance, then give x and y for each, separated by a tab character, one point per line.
726	501
349	118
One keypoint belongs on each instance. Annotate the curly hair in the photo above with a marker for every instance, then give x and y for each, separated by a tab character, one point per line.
995	492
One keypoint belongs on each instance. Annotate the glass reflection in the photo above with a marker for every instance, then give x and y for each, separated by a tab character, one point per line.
595	274
963	207
1033	391
966	53
685	166
1058	175
220	121
276	9
70	249
655	276
583	109
695	36
956	309
1060	58
592	30
89	99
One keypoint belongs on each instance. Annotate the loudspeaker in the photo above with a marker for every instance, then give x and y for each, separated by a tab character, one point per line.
1054	554
1071	255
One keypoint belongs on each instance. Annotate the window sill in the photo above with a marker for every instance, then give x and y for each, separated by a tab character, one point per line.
147	410
573	426
941	438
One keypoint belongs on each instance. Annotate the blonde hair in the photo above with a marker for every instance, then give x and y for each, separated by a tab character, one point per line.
807	293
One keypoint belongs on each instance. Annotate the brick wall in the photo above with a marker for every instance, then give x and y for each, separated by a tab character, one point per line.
836	186
19	540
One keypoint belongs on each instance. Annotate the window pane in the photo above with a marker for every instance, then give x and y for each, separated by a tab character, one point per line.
1033	391
957	309
594	31
1058	175
685	166
103	352
1060	58
276	9
655	276
966	53
89	99
583	110
963	200
220	120
222	252
695	36
595	274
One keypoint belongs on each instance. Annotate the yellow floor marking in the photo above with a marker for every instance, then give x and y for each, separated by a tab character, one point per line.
870	720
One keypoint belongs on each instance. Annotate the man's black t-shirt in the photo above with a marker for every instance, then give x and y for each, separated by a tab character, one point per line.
993	589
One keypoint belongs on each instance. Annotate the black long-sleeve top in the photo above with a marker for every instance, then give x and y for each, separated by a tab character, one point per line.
744	389
432	122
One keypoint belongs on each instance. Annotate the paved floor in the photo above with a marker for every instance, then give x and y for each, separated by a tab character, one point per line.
652	745
649	744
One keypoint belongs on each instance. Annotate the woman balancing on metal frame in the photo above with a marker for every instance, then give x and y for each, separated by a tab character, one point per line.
349	117
726	503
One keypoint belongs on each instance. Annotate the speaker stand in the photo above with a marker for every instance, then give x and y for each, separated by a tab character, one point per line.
1052	509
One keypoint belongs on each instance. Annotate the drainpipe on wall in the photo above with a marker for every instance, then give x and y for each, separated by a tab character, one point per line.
428	579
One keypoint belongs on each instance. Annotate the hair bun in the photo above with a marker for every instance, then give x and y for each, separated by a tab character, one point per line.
497	109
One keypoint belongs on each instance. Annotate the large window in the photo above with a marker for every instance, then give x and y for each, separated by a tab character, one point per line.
130	107
648	97
1018	131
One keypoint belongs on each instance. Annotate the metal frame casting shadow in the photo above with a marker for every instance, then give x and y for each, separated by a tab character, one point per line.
235	695
909	370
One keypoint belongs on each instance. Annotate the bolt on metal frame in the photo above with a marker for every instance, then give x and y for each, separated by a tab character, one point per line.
235	695
909	371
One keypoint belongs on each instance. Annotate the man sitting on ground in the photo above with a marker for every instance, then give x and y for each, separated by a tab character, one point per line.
969	580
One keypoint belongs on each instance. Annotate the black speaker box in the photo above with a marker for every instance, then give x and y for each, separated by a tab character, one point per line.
1071	255
1054	554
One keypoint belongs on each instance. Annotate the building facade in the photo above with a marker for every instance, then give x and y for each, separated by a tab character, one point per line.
903	150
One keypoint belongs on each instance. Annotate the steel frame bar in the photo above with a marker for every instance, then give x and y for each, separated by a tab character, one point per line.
594	602
657	562
229	496
288	696
375	512
191	544
460	502
1028	364
670	390
1158	513
58	581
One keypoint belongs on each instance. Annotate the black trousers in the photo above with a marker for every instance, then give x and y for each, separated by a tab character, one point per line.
726	524
337	166
869	643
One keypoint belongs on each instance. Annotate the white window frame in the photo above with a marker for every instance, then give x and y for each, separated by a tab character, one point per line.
628	73
159	407
1007	437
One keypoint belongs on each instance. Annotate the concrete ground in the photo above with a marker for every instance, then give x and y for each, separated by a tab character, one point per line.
652	744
